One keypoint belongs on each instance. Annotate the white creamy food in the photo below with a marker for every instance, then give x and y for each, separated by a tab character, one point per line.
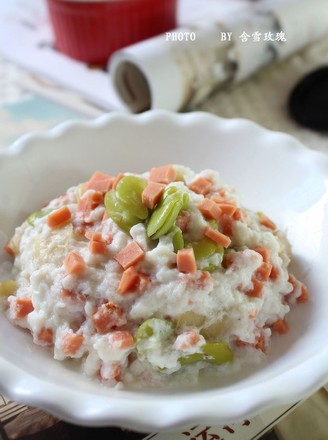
151	279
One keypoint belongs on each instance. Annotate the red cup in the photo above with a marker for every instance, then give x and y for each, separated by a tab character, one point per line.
90	31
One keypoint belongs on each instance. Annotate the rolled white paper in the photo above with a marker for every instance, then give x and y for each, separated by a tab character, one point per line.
177	73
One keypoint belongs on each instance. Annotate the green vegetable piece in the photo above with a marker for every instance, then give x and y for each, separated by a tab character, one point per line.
160	328
8	287
174	190
214	353
162	213
178	241
37	214
217	352
212	223
210	267
118	213
169	191
190	319
153	336
206	248
191	359
185	200
172	214
144	331
128	192
158	218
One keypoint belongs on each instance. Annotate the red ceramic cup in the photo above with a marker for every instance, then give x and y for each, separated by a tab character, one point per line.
91	31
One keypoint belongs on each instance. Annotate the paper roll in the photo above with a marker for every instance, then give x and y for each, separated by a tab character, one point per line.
144	76
159	73
176	74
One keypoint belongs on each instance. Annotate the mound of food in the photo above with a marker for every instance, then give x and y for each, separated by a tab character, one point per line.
153	278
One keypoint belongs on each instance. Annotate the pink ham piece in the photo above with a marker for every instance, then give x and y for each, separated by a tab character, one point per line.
210	209
100	182
151	194
74	264
186	261
218	237
201	186
164	174
129	280
130	255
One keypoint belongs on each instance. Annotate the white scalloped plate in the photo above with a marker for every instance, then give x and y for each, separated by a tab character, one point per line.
274	173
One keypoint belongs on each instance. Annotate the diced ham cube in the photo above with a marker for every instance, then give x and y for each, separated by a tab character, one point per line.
44	337
186	261
152	194
100	182
217	236
304	296
265	221
97	247
89	202
74	264
72	342
227	208
263	272
256	290
280	326
107	316
21	307
129	280
59	218
121	340
130	255
201	185
164	174
210	209
264	252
